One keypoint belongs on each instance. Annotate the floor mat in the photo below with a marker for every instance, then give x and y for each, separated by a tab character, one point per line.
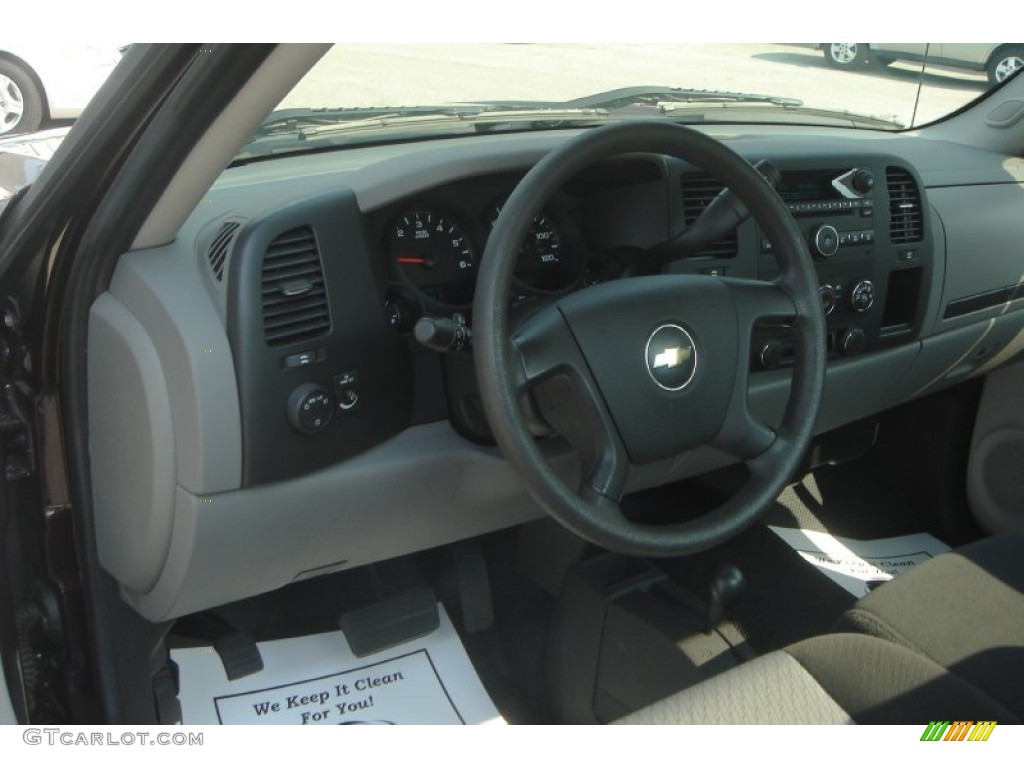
317	680
853	499
858	565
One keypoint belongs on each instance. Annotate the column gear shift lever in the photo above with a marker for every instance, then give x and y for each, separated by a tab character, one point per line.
727	584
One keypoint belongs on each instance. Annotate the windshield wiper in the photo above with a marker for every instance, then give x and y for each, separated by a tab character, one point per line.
294	121
303	128
305	122
288	130
662	96
668	101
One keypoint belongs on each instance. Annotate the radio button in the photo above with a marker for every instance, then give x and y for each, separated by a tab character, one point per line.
825	241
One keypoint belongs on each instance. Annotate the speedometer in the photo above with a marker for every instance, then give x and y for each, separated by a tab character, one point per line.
433	255
545	263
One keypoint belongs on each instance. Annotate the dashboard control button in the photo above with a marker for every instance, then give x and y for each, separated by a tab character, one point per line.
348	399
346	391
863	181
310	408
825	241
852	341
829	296
398	314
862	296
300	359
443	334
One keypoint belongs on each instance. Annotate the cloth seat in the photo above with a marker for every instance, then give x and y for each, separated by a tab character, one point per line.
944	641
828	680
963	610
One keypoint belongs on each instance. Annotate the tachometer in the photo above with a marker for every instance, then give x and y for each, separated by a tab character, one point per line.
432	253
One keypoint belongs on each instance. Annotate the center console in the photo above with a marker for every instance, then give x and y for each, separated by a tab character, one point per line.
867	232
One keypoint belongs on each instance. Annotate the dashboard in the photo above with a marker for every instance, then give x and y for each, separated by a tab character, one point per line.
296	364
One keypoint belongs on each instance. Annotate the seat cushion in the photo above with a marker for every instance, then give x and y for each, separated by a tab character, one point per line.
772	689
832	679
963	610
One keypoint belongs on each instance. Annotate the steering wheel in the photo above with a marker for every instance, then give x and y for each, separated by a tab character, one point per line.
645	368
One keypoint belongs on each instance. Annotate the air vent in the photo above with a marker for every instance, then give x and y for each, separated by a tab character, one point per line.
906	218
294	296
699	189
217	253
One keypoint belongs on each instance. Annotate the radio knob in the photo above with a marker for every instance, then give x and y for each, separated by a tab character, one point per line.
310	408
825	241
863	181
862	296
852	341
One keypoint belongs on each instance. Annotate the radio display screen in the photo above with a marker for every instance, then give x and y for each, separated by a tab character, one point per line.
805	186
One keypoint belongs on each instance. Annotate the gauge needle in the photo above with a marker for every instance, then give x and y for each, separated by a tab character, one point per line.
412	260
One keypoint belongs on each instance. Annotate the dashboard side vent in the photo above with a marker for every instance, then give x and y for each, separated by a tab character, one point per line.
699	189
294	296
906	217
220	246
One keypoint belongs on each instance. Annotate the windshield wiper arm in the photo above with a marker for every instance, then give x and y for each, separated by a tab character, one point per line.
668	101
480	118
298	120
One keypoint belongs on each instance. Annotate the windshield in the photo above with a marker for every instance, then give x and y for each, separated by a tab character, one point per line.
372	93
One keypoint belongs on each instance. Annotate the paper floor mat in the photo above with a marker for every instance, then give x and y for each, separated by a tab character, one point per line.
853	564
316	680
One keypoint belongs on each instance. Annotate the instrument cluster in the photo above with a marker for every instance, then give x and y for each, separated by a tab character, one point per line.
433	245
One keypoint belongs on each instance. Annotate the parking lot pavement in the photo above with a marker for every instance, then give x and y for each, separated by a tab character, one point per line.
407	74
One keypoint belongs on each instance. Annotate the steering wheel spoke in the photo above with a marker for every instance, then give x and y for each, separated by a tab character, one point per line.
554	375
760	301
743	435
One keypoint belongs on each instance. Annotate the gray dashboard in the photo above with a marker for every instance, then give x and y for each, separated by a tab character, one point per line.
207	491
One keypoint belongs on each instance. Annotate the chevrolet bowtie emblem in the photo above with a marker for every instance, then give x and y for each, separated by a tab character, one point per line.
672	357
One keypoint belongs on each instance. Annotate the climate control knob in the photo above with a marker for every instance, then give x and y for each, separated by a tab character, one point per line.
824	241
862	296
310	408
852	341
829	296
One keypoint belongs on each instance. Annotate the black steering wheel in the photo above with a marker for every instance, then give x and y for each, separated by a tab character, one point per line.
645	368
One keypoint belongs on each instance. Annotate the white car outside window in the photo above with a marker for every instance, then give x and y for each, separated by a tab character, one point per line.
49	82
